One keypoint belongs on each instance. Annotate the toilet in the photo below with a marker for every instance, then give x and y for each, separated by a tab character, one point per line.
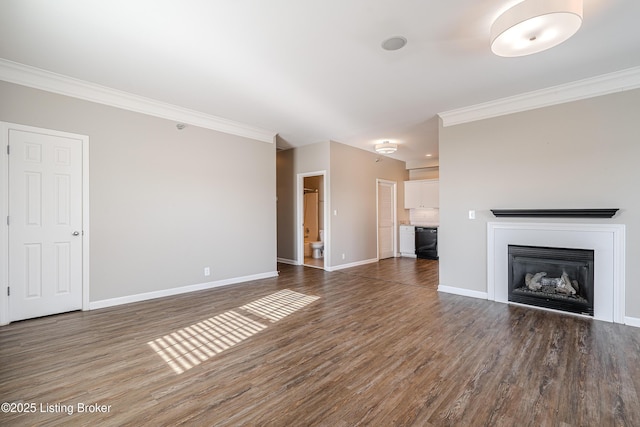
317	247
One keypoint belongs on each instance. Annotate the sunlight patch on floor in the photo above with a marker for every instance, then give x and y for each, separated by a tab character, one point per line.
188	347
191	346
279	305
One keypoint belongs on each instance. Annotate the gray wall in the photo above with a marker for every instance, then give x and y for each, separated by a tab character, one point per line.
164	203
424	173
582	154
290	163
351	180
353	195
286	189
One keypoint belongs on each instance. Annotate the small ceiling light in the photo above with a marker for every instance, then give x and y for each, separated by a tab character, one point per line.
428	155
386	148
535	25
394	43
181	126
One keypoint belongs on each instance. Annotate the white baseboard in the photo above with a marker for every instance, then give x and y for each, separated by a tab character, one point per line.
463	292
94	305
408	255
352	264
629	321
632	321
287	261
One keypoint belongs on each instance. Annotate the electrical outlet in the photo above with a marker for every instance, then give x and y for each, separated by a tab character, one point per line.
207	271
472	214
343	256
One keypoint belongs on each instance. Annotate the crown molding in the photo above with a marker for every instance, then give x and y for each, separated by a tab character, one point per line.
37	78
582	89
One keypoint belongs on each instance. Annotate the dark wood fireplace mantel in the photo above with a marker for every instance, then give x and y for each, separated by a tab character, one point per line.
555	213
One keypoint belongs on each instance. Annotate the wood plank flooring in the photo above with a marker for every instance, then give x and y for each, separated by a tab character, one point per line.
380	346
314	262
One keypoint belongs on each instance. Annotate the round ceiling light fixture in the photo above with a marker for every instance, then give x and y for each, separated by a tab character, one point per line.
386	148
532	26
394	43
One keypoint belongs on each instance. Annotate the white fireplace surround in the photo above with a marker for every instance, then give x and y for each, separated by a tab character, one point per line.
606	240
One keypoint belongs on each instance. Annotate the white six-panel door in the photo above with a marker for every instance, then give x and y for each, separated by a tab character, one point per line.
45	224
386	219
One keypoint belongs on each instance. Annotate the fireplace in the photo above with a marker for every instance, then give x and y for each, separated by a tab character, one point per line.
607	241
556	278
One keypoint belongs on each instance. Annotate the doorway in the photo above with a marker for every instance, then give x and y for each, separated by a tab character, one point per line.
312	241
387	212
44	195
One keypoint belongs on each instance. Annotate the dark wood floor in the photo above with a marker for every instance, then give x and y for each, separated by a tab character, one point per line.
380	346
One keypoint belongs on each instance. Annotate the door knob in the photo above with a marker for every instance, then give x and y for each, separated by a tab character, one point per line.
76	233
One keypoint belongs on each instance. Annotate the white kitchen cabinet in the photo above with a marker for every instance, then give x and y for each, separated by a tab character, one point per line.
408	241
420	194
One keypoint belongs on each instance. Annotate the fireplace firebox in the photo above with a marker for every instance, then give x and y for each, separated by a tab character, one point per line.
555	278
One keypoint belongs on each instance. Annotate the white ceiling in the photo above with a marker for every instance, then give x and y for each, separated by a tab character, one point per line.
310	70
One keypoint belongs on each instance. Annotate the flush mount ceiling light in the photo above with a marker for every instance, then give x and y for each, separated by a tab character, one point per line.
394	43
532	26
386	148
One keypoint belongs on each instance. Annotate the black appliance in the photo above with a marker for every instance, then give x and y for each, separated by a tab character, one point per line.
427	242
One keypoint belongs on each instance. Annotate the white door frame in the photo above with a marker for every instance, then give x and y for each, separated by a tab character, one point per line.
300	217
4	212
395	216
